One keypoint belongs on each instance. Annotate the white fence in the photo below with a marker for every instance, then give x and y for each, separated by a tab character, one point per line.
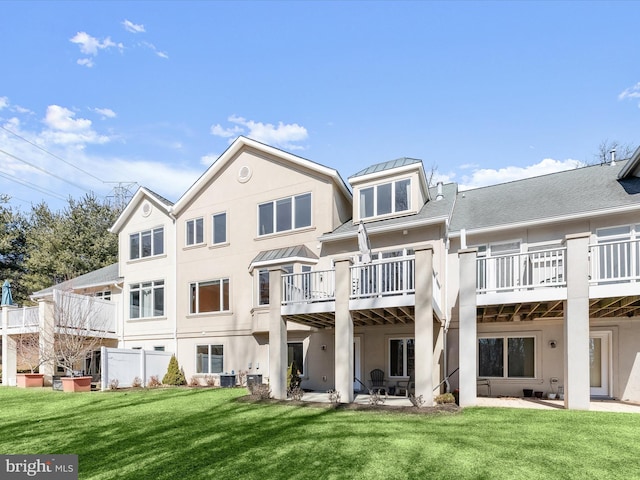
124	365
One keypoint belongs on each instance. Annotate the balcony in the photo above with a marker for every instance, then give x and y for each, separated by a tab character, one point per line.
382	291
524	285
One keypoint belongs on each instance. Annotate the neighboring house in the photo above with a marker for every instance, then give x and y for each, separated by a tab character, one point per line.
531	284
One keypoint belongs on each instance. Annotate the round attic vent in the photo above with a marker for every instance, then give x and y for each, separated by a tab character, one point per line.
244	174
146	209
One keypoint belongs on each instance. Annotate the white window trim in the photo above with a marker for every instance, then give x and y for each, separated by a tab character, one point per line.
405	367
209	345
186	232
226	229
394	211
153	287
197	283
293	215
139	234
505	355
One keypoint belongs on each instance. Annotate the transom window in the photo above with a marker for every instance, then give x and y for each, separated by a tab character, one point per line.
195	231
211	296
385	198
506	357
209	359
146	299
401	357
146	244
285	214
219	234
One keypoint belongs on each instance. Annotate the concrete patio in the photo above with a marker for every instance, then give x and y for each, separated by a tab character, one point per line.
596	405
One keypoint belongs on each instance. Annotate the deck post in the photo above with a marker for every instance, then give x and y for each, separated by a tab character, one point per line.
277	337
577	389
468	329
9	354
46	329
344	332
424	323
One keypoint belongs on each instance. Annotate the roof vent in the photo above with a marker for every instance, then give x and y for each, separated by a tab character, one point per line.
439	195
613	157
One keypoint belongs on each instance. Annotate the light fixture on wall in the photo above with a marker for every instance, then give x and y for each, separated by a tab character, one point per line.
323	347
553	343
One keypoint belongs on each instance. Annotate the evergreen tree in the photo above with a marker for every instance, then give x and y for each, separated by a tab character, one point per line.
13	248
174	375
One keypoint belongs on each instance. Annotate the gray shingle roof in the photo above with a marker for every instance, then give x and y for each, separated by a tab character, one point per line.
569	193
103	276
380	167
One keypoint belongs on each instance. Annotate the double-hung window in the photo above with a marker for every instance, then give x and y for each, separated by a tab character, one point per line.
401	357
211	296
507	357
195	231
385	198
146	299
209	358
146	244
219	225
285	214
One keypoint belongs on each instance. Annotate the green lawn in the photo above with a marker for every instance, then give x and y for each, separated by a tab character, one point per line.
185	433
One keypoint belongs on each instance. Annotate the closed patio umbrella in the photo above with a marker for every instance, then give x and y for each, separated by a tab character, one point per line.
6	294
363	243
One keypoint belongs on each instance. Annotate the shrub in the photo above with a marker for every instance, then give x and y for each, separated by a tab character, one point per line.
113	384
194	382
210	380
154	382
375	398
259	391
296	393
293	379
445	398
334	396
416	401
137	382
242	377
174	375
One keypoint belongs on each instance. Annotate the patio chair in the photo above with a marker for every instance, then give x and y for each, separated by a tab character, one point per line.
377	381
408	385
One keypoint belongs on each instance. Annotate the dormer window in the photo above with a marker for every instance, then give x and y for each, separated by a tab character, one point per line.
386	198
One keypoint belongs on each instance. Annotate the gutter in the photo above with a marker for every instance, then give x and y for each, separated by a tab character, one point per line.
174	290
382	229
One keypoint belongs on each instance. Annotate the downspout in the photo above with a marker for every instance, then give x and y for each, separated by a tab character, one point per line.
175	281
122	307
447	317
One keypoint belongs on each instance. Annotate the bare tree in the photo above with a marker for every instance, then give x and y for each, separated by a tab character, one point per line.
622	151
28	351
80	324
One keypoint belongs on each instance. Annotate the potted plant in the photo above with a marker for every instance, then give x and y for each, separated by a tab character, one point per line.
28	354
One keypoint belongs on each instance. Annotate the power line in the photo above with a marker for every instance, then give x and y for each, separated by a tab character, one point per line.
52	154
44	171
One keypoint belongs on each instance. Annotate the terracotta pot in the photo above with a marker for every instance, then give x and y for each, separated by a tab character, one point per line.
27	380
76	384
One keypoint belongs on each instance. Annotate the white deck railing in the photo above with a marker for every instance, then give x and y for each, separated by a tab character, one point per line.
81	312
521	271
393	276
316	286
615	262
23	317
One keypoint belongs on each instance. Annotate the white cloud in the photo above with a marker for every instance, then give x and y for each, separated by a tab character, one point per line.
65	129
132	27
91	46
4	102
85	62
281	135
489	176
105	112
153	48
631	92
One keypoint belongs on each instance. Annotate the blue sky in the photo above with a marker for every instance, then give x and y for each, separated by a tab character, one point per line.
152	92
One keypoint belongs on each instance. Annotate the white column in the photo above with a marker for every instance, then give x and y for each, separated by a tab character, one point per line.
9	354
424	323
468	329
577	385
46	335
344	332
277	337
